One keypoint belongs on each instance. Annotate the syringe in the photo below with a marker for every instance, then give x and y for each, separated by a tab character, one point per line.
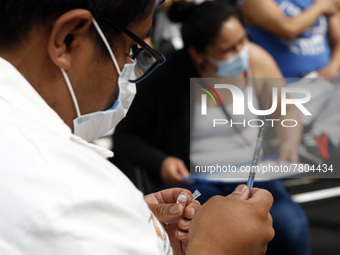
255	161
256	155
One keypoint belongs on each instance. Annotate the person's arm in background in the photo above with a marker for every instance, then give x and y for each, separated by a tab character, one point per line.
267	15
332	70
290	137
135	148
266	68
173	170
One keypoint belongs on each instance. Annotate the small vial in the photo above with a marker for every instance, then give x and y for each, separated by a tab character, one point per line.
195	195
182	199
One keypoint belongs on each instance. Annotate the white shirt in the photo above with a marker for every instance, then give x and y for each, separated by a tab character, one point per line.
58	193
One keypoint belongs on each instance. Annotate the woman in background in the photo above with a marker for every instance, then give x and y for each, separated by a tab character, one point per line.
155	135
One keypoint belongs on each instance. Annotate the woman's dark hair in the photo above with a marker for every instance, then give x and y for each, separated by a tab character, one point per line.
18	16
201	24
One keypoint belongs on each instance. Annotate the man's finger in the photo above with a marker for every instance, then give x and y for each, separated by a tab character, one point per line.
181	235
167	212
184	224
241	192
191	209
262	197
170	196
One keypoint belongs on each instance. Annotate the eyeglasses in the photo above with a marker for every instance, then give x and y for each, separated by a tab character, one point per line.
147	59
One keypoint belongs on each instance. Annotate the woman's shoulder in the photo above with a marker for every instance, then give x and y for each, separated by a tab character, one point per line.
262	63
258	55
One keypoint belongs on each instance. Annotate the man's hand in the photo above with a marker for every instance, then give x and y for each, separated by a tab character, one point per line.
173	170
233	224
174	217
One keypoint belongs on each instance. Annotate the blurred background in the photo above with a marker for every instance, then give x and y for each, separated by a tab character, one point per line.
301	38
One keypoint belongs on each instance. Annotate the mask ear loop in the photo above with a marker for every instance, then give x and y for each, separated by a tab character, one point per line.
101	34
71	91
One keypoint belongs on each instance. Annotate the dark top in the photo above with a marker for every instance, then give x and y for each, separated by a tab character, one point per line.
158	122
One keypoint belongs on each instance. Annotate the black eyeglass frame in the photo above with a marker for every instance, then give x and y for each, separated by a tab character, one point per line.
159	57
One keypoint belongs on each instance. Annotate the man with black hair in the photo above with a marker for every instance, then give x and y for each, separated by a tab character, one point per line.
68	70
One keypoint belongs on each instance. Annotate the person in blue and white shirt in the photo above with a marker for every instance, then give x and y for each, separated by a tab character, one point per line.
303	36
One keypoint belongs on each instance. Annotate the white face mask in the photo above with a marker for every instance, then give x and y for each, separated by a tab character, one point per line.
95	125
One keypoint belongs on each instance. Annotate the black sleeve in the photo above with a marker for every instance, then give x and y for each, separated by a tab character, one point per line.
133	136
158	122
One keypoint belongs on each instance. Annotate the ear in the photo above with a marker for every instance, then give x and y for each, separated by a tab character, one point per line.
195	55
66	27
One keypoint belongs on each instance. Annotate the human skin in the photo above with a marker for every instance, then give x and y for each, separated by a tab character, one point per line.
70	44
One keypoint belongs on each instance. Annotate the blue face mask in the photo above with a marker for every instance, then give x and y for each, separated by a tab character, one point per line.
235	65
